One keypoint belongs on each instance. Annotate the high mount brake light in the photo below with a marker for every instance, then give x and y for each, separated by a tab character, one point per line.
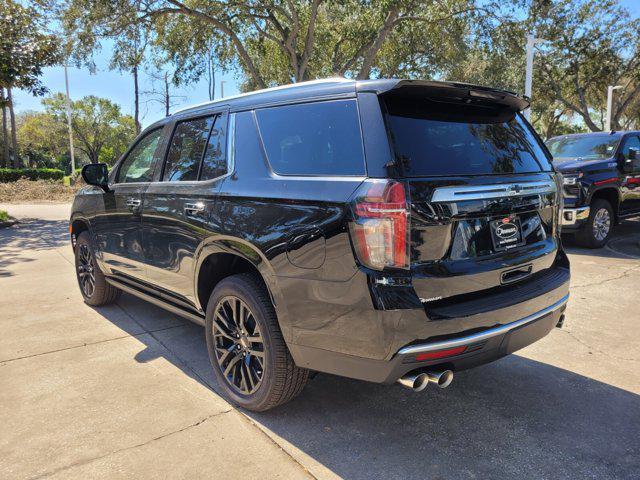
380	230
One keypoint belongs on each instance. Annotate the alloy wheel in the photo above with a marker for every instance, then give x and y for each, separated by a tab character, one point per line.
238	344
601	224
86	274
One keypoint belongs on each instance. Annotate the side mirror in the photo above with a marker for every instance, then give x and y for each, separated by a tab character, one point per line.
96	174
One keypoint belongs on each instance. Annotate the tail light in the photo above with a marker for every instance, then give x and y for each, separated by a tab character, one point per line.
380	229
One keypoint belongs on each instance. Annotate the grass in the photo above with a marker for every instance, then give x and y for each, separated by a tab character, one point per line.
4	216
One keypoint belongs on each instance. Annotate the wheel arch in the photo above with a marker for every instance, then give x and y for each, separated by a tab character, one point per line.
77	225
228	256
609	194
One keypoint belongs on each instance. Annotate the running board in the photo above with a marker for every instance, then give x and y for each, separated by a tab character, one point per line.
195	318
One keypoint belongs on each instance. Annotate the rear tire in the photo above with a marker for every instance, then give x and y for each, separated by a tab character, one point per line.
250	359
596	231
93	286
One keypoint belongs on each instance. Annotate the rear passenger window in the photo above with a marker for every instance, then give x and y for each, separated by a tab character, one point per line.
214	163
187	147
320	138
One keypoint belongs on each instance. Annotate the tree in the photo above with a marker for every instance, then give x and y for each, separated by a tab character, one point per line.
591	44
25	48
276	42
161	91
100	131
43	139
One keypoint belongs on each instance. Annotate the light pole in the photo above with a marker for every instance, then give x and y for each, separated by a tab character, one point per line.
73	159
528	80
222	82
610	89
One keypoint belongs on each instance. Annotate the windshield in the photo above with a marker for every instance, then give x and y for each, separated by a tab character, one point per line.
587	147
436	138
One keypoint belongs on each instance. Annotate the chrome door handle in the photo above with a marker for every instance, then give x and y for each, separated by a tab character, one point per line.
193	208
133	202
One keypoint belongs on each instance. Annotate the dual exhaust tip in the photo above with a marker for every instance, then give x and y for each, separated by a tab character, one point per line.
419	381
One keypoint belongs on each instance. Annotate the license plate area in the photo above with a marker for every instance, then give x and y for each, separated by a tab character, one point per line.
506	233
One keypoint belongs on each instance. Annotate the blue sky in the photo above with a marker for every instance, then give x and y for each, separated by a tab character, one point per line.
118	87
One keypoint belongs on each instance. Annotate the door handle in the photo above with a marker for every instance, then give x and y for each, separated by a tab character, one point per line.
133	203
193	208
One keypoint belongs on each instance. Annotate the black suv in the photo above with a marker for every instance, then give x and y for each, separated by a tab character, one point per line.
384	230
601	182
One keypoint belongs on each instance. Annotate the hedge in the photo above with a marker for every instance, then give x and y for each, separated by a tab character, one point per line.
15	174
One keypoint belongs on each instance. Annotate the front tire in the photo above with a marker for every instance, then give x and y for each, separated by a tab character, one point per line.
248	354
93	286
596	231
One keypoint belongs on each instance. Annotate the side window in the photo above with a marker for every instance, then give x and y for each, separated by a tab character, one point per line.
631	143
214	163
186	149
138	166
320	138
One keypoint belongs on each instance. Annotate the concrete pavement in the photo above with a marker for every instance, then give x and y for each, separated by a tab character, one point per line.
126	391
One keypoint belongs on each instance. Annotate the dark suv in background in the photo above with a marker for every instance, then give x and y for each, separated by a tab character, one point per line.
384	230
601	176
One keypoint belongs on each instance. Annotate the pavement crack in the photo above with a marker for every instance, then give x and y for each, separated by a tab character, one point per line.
131	447
86	344
624	274
601	352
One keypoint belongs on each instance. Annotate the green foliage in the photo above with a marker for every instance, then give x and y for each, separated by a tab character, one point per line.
15	174
100	130
25	47
4	216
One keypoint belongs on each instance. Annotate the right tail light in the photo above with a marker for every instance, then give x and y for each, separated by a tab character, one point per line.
380	228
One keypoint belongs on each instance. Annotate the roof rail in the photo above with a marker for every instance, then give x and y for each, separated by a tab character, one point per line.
264	90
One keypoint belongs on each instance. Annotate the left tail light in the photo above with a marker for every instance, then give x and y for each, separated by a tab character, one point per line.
380	226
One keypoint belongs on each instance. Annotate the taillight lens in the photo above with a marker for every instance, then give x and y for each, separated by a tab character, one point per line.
380	229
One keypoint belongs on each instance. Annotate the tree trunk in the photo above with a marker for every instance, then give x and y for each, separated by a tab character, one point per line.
136	93
4	161
14	137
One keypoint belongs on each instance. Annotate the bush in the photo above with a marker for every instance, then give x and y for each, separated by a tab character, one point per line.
15	174
4	216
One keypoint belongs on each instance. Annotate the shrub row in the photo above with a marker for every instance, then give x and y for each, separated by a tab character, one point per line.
15	174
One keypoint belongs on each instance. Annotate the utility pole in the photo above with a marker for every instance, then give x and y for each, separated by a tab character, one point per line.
222	82
610	89
528	81
73	159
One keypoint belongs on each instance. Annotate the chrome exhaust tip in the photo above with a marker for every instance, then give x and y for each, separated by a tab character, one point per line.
443	378
415	381
418	381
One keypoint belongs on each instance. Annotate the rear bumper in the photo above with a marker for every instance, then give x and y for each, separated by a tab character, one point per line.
381	346
482	347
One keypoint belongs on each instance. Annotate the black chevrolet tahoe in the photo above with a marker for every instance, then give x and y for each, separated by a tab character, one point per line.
601	176
383	230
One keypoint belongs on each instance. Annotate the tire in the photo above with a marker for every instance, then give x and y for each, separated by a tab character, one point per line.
269	377
596	231
87	272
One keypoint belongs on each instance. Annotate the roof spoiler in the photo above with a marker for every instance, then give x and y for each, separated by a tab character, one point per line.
457	92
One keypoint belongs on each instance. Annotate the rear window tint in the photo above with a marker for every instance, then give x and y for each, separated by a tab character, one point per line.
432	138
320	138
185	152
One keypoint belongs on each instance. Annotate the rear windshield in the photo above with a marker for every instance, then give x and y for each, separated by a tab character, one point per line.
588	147
434	138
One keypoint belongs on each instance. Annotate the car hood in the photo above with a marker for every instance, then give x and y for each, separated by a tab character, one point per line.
566	164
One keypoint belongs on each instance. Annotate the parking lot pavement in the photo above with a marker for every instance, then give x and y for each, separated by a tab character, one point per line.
127	391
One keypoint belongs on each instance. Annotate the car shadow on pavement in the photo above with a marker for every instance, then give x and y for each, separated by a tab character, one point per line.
514	418
29	235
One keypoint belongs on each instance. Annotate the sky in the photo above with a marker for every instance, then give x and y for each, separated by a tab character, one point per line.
118	87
